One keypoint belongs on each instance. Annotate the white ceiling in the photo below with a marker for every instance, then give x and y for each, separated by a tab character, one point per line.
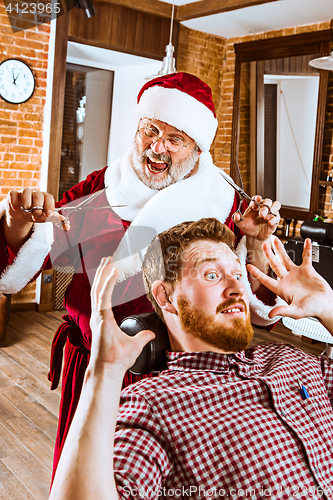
261	18
96	57
179	2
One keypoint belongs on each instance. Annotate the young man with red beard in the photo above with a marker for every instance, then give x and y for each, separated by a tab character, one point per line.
224	420
167	176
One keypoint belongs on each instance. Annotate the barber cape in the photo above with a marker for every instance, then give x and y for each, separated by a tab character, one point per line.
205	194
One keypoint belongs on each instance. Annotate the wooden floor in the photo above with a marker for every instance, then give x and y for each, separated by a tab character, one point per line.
28	409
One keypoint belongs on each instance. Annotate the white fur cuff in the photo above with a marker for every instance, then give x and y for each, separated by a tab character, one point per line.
29	259
259	310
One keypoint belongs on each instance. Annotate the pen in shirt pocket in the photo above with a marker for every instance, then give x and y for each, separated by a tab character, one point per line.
303	390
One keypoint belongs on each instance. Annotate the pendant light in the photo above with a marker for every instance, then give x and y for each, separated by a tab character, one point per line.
87	7
169	61
323	62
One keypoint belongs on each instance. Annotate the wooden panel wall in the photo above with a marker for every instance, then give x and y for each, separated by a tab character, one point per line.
123	29
270	140
295	65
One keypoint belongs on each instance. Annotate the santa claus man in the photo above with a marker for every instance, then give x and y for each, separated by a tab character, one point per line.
166	177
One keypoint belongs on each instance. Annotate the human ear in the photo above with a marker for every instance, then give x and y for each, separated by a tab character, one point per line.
162	293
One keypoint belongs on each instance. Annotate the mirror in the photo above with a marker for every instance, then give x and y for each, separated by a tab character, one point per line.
290	109
278	119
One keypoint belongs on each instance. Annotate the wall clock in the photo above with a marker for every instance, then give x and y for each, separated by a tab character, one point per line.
17	81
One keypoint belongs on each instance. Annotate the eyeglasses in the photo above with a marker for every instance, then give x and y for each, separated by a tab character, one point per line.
174	144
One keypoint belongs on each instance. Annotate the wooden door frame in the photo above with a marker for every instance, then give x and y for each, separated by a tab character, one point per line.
47	290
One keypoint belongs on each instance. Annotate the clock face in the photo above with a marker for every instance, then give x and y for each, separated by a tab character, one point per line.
17	81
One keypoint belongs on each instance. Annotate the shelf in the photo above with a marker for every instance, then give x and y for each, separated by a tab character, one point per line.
326	183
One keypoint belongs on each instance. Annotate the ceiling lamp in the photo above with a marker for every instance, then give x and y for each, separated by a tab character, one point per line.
323	62
169	61
87	7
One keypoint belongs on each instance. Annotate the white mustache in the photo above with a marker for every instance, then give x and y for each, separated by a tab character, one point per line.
155	156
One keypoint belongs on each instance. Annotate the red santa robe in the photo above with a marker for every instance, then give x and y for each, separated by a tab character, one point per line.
121	232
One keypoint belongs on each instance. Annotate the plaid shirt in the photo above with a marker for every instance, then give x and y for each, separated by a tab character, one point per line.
229	426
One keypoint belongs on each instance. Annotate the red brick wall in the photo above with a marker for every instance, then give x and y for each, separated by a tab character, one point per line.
203	55
21	126
327	165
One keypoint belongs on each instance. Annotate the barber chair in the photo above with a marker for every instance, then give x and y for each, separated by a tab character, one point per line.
152	357
321	234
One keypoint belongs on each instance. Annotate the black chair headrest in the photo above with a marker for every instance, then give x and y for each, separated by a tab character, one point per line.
320	232
152	357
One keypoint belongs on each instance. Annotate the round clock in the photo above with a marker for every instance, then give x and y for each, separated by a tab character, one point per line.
17	81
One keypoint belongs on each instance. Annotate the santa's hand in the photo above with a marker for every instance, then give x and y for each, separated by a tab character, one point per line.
29	206
111	347
260	219
306	292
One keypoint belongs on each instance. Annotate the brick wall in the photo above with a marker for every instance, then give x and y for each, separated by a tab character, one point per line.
327	165
203	55
211	58
21	126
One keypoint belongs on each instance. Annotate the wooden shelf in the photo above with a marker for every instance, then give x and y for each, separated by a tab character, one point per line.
326	183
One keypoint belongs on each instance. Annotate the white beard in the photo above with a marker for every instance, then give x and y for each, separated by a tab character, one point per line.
175	172
202	194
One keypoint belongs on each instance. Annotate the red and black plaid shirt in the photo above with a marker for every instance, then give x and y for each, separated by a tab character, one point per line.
229	426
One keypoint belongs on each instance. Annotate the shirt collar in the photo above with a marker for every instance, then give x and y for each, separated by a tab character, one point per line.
209	361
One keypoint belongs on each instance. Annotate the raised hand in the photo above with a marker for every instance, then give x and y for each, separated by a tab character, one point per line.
111	348
259	221
28	198
18	223
305	291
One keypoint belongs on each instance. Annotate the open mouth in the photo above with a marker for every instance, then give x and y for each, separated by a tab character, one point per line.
233	310
157	166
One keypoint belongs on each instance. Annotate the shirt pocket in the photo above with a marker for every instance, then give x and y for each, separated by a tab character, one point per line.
320	412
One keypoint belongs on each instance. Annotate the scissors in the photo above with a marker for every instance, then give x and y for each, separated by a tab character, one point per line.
71	210
243	196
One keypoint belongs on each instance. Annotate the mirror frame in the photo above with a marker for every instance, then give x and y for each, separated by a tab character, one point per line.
316	42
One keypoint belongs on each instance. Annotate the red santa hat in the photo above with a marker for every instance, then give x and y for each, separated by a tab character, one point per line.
184	102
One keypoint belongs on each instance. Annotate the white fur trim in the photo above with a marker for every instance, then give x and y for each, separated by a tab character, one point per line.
181	111
259	310
205	194
3	207
29	259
